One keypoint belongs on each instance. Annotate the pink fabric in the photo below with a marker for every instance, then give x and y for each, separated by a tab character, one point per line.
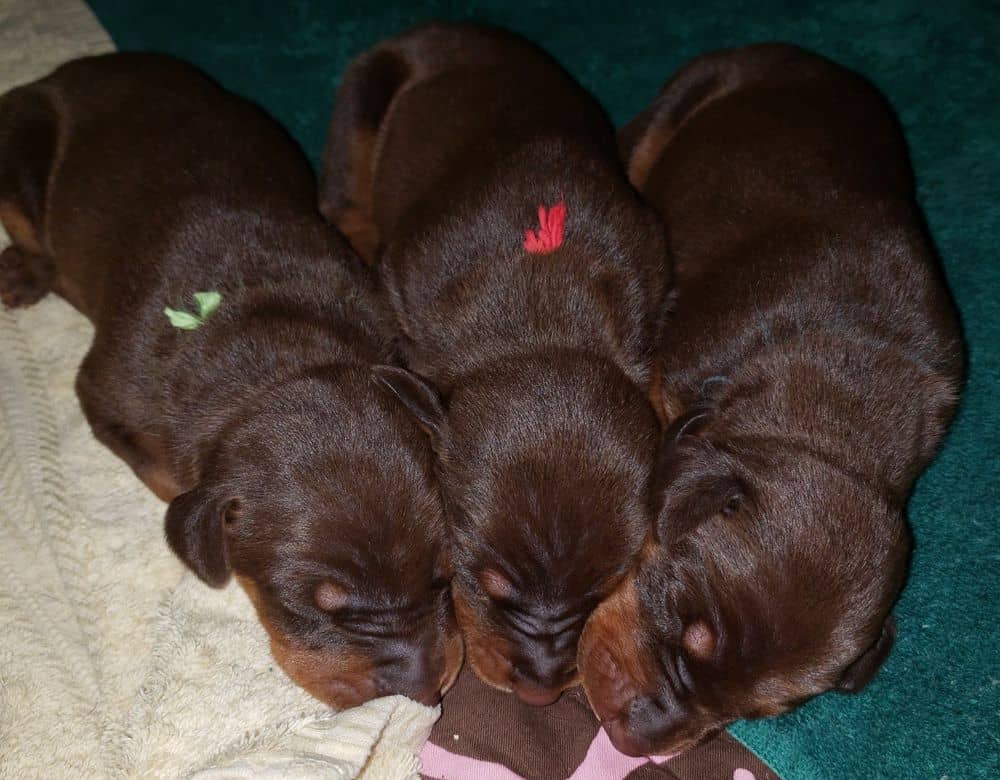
602	762
442	764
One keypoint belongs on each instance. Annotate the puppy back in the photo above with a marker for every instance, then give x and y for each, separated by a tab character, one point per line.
431	107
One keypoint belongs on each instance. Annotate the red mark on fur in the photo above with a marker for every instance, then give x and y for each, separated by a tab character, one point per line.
549	235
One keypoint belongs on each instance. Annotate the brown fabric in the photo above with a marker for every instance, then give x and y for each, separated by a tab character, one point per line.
549	743
542	742
720	758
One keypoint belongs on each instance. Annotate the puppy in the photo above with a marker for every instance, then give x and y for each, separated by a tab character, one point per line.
809	368
527	282
130	182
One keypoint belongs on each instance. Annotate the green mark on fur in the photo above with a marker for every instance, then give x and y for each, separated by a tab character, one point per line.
206	303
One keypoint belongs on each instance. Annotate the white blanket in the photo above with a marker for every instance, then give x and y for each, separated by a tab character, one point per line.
114	661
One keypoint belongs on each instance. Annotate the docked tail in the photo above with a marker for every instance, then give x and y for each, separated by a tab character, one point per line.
704	79
347	172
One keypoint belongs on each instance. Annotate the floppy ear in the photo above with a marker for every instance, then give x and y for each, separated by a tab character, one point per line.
693	480
419	397
197	532
688	424
861	671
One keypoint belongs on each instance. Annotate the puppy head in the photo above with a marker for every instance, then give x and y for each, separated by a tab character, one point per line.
324	505
767	580
545	468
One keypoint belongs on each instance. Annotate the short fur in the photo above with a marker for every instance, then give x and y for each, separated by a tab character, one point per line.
533	368
809	370
130	182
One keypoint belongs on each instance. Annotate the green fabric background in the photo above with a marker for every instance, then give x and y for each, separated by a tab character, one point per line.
933	711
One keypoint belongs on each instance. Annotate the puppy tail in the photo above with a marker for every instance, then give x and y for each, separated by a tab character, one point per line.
28	140
347	172
642	141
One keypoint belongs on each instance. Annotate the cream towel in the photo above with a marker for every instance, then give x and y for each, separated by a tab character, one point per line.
114	661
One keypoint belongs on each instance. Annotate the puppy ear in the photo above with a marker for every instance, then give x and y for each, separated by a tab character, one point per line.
197	531
693	481
419	397
863	669
688	424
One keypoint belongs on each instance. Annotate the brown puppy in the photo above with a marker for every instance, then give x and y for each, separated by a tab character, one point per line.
130	182
447	144
810	368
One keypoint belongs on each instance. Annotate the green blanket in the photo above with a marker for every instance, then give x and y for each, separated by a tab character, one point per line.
932	712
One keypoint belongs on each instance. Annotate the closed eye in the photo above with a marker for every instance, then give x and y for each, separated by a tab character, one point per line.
677	671
684	672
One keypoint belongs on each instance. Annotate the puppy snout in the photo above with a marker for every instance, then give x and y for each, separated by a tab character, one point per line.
416	672
343	694
537	696
623	739
552	674
540	679
652	723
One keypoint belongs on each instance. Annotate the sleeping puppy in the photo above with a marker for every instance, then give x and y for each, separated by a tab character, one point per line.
809	369
130	182
527	280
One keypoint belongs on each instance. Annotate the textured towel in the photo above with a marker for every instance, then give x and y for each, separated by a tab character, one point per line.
114	661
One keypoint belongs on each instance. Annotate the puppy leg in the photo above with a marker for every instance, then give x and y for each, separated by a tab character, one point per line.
347	173
143	451
27	144
25	278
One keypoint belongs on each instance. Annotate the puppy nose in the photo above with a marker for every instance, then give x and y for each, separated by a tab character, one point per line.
346	691
624	740
413	672
540	681
655	720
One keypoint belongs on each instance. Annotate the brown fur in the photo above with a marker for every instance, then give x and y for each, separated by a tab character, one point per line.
534	369
810	366
130	182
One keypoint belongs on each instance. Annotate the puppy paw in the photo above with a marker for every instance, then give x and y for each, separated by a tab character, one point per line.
24	278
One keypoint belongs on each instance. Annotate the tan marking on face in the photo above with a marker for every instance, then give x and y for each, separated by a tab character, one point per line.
614	666
488	654
454	655
495	584
338	678
330	596
699	640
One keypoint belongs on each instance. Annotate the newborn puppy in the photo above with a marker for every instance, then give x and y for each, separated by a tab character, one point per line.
130	182
809	369
527	280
